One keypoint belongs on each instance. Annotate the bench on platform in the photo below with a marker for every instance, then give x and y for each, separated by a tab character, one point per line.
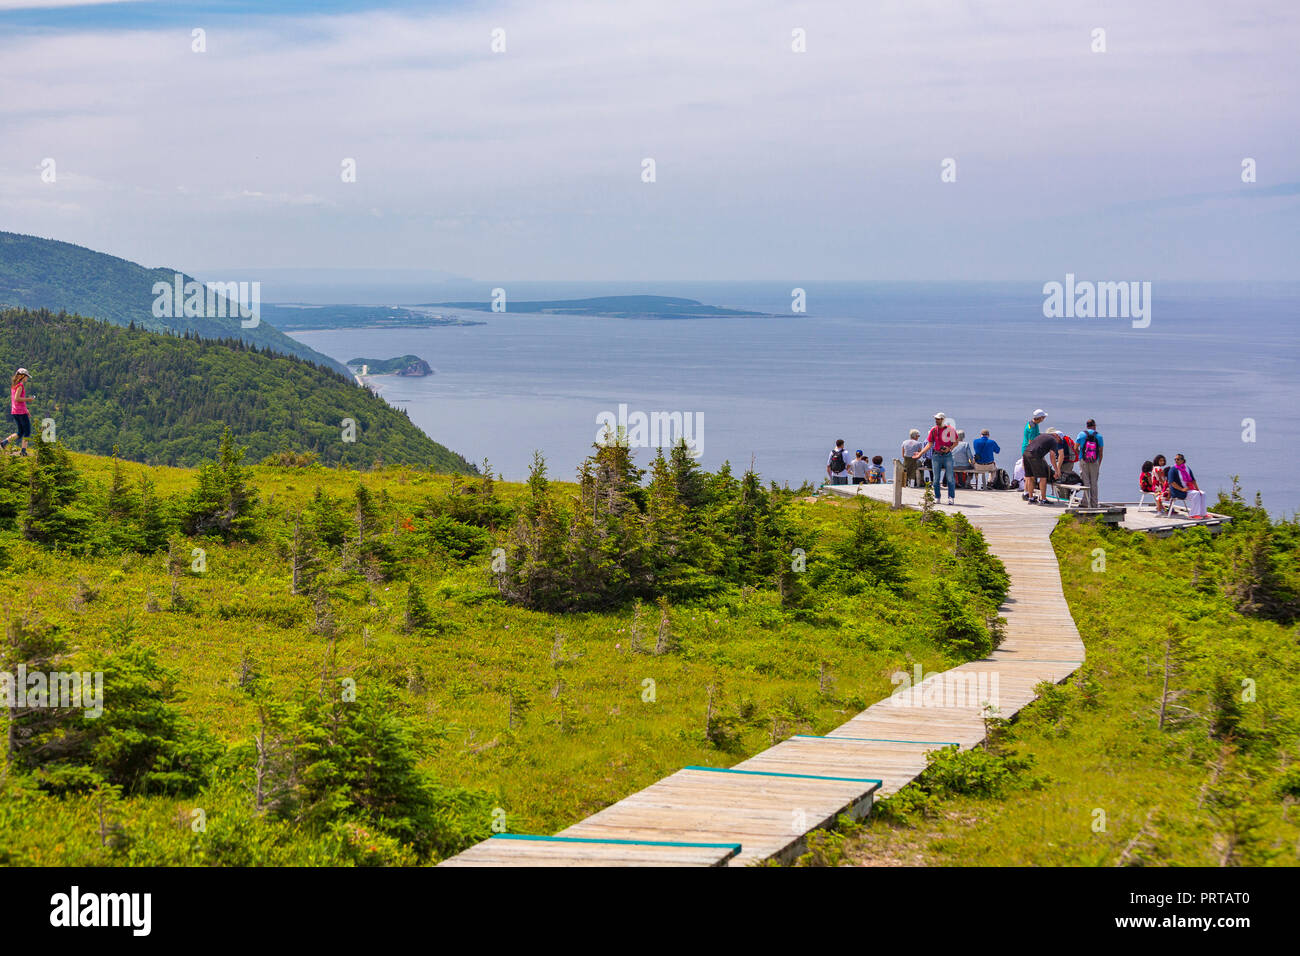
1073	500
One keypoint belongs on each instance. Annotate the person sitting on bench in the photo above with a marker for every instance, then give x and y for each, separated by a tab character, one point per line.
984	448
963	461
1183	487
1152	482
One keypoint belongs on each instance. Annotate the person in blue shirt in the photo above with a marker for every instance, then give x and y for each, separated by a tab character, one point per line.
984	448
1090	454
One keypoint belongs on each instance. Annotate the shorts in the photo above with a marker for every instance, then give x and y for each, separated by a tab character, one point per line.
23	421
1036	467
859	481
983	469
839	479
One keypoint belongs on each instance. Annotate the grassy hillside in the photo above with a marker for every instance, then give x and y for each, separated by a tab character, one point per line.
1092	774
46	274
475	701
166	399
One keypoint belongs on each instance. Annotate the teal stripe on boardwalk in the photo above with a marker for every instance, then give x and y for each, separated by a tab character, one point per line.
803	776
560	839
882	740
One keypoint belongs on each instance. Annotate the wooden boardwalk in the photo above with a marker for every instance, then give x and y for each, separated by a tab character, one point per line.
763	807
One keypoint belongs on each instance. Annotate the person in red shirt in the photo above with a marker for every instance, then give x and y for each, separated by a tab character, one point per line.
18	411
942	439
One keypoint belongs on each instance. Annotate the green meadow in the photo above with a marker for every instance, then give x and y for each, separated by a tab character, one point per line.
626	627
1175	744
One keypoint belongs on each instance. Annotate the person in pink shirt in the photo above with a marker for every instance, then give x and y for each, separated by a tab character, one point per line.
18	410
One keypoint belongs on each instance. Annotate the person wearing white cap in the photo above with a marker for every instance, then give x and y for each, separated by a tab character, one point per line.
1031	432
942	439
18	410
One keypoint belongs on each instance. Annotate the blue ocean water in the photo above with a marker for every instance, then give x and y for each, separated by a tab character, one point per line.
867	362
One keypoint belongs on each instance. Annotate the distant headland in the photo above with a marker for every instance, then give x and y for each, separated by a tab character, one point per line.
609	306
409	365
315	318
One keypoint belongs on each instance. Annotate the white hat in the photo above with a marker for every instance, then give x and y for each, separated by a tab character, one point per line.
938	415
1038	413
22	371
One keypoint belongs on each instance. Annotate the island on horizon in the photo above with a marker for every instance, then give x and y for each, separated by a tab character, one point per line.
612	306
409	365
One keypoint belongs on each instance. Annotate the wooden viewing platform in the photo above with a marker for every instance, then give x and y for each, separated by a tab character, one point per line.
764	807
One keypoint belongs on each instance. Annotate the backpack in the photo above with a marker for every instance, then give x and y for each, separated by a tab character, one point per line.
837	461
1001	480
1071	449
1090	446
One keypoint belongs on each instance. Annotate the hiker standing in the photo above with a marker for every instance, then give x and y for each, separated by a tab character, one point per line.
941	441
18	411
1090	454
984	448
859	467
1031	432
1042	462
1031	429
837	465
909	450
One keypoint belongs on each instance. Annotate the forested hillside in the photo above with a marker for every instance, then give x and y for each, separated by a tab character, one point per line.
47	274
166	399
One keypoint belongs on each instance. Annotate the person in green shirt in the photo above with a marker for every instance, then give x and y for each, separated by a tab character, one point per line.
1031	429
1031	432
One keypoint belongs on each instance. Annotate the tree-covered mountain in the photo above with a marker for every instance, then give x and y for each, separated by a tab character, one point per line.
46	274
165	399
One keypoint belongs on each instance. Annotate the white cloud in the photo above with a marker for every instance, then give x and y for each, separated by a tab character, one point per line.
527	164
47	4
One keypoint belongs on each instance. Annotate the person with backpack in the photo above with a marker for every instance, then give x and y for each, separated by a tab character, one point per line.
18	411
941	441
984	448
859	467
837	466
1090	446
1069	455
877	474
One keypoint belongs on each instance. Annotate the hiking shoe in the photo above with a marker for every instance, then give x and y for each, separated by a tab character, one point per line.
1027	498
23	453
952	501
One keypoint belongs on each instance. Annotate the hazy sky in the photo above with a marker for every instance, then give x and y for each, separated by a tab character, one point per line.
770	164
